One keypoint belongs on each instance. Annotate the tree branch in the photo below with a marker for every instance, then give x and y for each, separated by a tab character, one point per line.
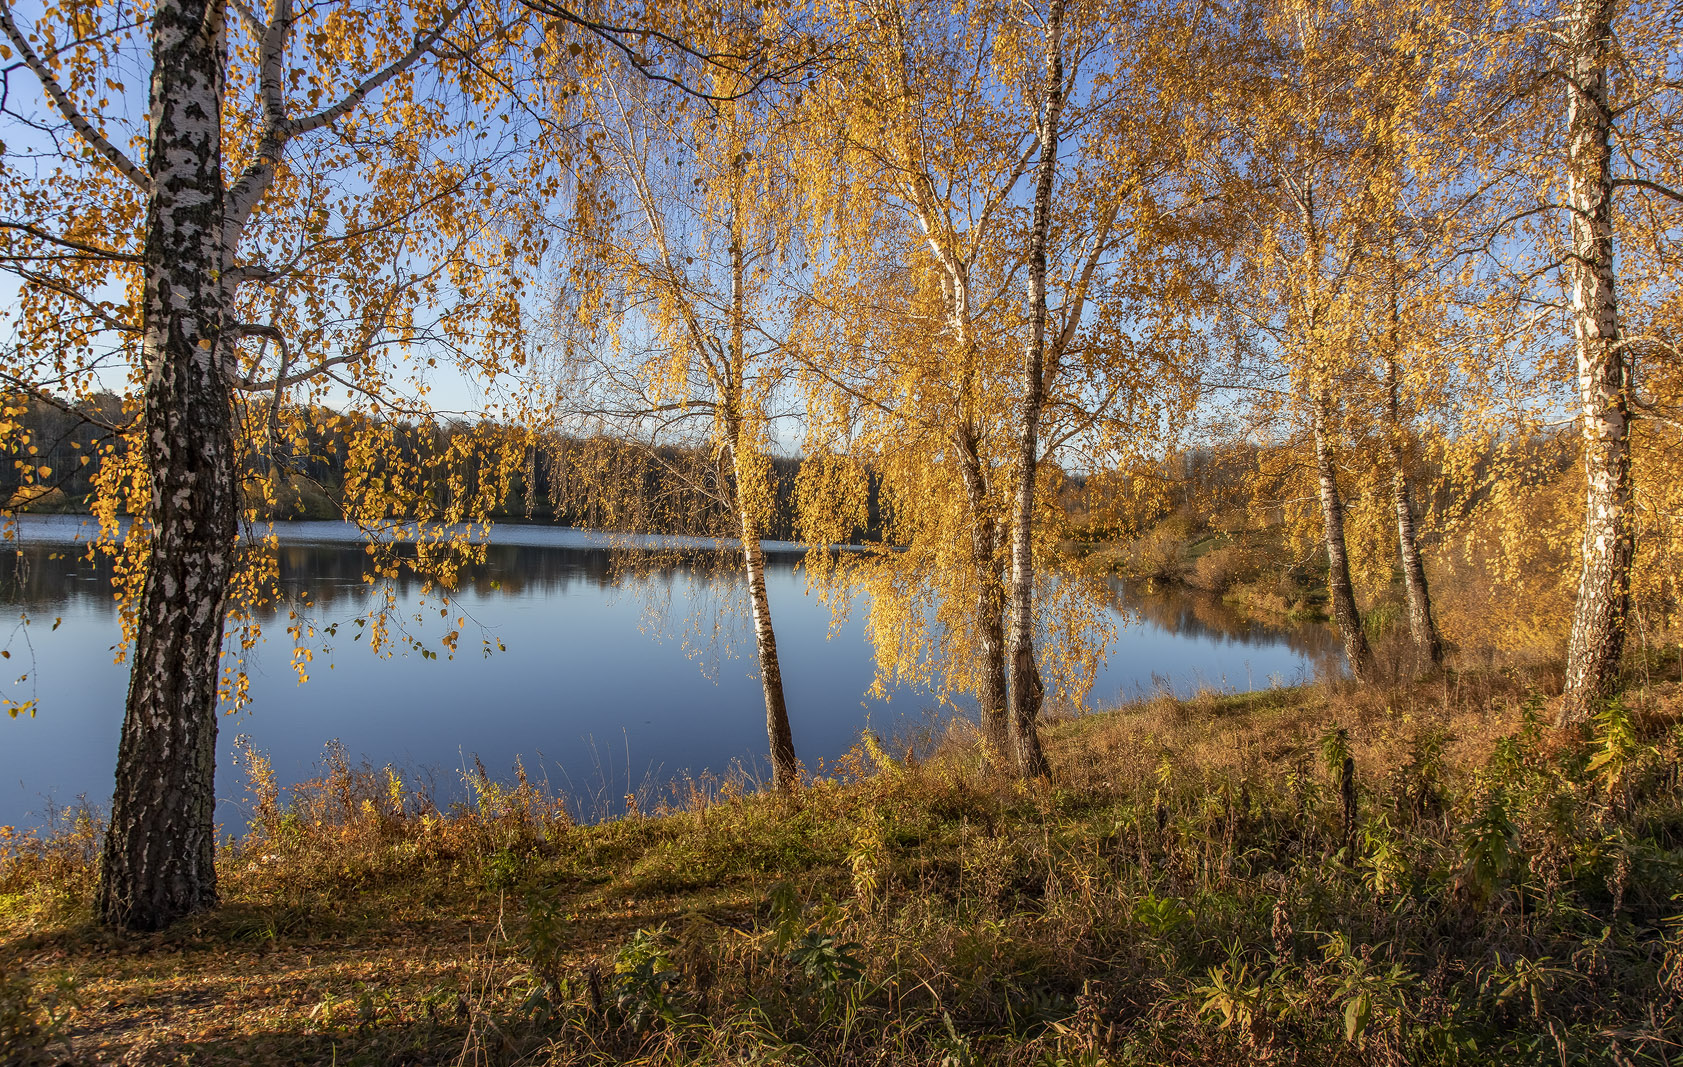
740	64
67	107
66	242
423	44
1653	187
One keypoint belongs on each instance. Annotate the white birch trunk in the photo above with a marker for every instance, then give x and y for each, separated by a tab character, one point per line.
1422	627
159	855
785	767
1340	590
1598	621
986	535
1027	690
986	547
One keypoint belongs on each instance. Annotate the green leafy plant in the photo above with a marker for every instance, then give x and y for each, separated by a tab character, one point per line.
542	942
1618	749
1235	992
954	1049
1368	991
1382	862
1487	841
646	980
1418	786
1524	979
1335	749
1161	916
867	860
828	962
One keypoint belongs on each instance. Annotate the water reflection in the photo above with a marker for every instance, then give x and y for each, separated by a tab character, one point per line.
1194	613
48	564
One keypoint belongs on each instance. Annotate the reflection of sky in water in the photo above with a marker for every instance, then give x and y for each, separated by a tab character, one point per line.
607	682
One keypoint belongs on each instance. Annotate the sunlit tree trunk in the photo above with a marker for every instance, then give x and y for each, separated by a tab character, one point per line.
955	248
159	856
1027	690
1598	622
1422	627
1339	588
785	768
985	548
750	494
986	535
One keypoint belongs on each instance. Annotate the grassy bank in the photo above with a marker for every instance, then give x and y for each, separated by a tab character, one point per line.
1313	876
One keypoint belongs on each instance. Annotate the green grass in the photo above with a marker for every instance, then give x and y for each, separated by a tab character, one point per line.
1191	888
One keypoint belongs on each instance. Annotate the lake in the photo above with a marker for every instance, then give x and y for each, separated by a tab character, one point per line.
607	682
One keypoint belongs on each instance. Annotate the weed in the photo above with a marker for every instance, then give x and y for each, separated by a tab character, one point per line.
646	980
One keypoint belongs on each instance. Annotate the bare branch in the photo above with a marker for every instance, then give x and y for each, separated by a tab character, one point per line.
615	37
67	107
1653	187
282	379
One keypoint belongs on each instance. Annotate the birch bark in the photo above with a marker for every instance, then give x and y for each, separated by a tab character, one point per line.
159	854
158	857
1598	621
1339	588
1027	690
785	768
1422	627
986	534
993	697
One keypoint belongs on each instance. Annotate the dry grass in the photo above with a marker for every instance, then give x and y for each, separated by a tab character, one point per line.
1198	885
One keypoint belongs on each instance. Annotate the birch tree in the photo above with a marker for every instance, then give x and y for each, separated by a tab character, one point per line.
684	234
1422	626
1027	690
1598	621
1297	182
1419	207
1583	105
987	306
930	154
1595	42
159	266
1108	367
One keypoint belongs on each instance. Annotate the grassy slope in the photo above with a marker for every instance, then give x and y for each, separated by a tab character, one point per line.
1187	891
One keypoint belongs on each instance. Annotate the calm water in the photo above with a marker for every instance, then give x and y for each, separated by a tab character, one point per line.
606	682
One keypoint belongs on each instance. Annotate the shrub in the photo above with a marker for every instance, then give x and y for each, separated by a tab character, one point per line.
1221	568
1157	555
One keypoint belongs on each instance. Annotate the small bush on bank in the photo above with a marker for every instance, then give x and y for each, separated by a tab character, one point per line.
1221	568
1160	554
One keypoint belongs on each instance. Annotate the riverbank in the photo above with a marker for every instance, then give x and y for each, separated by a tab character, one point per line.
1311	875
1248	569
